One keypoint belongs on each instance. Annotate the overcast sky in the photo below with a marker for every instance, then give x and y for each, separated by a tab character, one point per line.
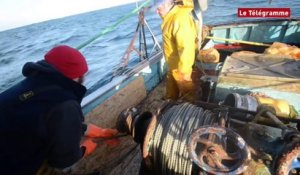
16	13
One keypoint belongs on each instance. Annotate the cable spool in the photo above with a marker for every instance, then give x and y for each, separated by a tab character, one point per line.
167	147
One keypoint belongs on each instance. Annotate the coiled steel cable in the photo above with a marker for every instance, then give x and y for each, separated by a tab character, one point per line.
168	146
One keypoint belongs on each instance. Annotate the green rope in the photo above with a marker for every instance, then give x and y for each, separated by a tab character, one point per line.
112	27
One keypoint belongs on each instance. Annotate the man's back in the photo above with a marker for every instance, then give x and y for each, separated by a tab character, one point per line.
40	119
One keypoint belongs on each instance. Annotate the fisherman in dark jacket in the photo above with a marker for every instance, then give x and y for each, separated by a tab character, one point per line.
41	118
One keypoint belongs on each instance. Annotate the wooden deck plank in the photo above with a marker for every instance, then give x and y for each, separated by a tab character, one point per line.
106	158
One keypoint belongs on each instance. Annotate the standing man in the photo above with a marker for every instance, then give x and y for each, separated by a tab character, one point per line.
41	117
179	43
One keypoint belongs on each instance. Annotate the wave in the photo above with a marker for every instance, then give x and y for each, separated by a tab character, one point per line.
30	43
4	62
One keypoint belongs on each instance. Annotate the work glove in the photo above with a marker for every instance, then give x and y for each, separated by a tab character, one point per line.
89	146
98	132
94	131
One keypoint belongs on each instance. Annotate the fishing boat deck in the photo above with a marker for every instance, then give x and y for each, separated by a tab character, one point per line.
126	157
130	163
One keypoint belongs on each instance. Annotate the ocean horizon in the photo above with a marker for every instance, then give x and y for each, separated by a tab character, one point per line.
29	43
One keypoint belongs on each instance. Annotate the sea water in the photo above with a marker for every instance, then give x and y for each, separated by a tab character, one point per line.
31	42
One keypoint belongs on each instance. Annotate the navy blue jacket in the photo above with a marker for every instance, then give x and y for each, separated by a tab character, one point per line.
40	120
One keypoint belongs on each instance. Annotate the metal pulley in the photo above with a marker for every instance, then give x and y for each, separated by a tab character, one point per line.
218	150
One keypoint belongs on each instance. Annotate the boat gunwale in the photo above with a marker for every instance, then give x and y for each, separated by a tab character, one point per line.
92	97
252	22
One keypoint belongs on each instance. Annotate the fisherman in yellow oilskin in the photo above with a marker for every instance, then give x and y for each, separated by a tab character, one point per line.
179	43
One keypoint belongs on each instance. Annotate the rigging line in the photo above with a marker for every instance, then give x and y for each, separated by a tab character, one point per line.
124	61
156	43
112	27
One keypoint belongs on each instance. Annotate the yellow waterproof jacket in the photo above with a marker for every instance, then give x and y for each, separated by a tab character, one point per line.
179	39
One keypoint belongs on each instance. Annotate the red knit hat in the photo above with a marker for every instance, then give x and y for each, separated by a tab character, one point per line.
67	60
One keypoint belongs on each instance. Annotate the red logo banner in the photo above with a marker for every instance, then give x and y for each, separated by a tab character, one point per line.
264	12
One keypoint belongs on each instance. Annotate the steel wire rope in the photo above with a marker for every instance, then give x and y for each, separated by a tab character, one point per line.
200	114
163	155
180	162
186	122
189	122
206	115
159	132
170	137
180	113
186	165
157	136
186	133
166	140
176	122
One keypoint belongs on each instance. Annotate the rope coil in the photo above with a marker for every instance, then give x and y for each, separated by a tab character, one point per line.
168	146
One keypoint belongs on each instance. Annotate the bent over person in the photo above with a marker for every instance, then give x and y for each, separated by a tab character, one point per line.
41	118
179	33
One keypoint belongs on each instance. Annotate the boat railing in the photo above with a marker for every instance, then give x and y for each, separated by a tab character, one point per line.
122	72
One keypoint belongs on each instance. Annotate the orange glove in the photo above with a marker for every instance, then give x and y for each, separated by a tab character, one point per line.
89	145
95	131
